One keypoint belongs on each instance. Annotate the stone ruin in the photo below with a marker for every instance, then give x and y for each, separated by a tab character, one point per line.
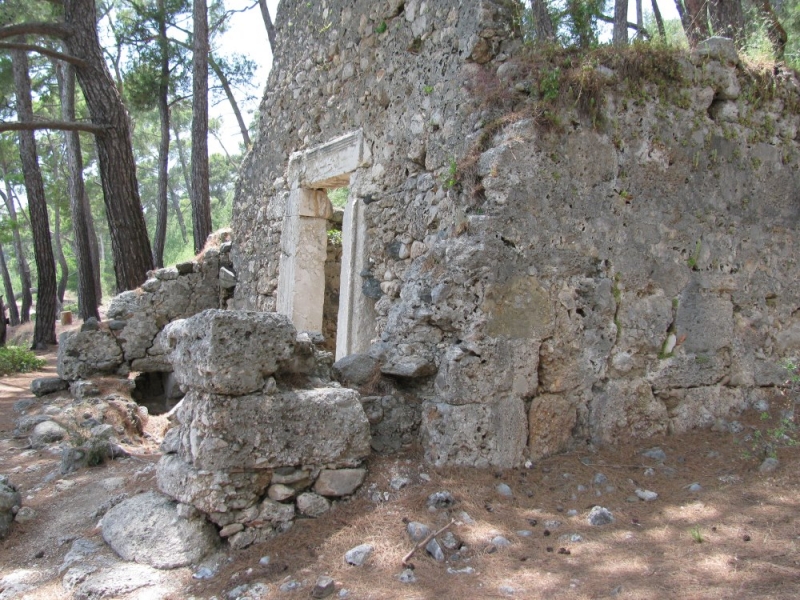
594	283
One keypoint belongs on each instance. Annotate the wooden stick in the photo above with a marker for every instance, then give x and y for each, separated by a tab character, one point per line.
424	542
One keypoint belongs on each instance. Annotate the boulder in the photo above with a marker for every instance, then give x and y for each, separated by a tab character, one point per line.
48	385
47	432
312	505
147	529
356	369
229	352
87	354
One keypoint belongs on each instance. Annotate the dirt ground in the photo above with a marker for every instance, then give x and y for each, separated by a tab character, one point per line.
737	537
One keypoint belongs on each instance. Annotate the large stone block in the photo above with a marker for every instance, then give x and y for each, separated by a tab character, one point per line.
87	354
698	408
626	409
475	435
229	352
319	427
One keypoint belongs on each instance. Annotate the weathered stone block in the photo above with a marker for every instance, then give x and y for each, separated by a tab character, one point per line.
477	435
86	354
229	352
48	385
339	482
626	409
551	419
324	427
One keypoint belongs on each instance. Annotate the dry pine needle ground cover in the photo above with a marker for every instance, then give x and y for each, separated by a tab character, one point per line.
738	537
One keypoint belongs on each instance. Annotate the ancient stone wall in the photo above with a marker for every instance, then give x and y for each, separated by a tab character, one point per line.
617	277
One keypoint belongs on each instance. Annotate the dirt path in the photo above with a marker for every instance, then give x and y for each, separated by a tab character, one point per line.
737	536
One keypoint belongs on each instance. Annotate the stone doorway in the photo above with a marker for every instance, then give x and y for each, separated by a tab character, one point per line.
304	245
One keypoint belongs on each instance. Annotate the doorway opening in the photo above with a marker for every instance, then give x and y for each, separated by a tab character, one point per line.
319	282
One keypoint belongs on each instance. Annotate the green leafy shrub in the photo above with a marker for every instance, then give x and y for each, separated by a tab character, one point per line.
14	359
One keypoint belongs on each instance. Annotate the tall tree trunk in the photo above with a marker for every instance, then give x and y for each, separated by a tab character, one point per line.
13	312
662	31
268	23
44	331
226	86
727	18
639	18
94	249
543	24
163	145
62	260
88	278
3	328
176	208
129	240
620	23
23	270
696	21
201	200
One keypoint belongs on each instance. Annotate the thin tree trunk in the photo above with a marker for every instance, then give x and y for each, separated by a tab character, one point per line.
129	240
662	31
620	23
268	23
176	208
639	17
187	178
13	312
88	277
543	24
696	22
163	145
201	200
62	260
3	328
775	31
44	331
226	86
23	270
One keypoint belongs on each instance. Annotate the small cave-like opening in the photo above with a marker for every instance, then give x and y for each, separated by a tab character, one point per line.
333	267
158	392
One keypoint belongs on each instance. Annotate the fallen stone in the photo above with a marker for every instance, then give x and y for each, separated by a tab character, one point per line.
161	539
600	516
280	492
358	555
500	541
48	385
324	587
25	424
417	531
504	490
21	406
339	482
117	580
435	550
646	495
439	500
656	454
407	576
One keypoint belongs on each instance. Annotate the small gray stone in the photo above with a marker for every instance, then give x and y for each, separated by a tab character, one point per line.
504	490
280	492
656	454
599	479
407	576
718	48
450	541
600	516
417	531
358	555
500	541
464	517
435	550
264	561
91	324
769	465
398	483
356	369
324	587
695	487
646	495
461	571
21	406
443	499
